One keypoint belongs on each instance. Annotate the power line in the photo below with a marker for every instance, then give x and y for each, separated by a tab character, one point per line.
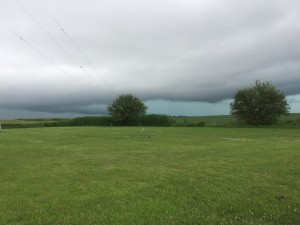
49	35
42	54
55	41
76	47
85	57
63	49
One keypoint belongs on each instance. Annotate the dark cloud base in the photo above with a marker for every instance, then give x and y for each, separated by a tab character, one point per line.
178	51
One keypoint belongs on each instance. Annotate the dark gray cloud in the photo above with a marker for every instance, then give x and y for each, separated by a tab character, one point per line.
178	50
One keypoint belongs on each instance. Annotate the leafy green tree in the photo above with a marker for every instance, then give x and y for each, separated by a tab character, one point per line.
260	104
126	109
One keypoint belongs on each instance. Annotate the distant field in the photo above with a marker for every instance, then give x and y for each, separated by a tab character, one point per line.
211	121
22	123
291	120
174	175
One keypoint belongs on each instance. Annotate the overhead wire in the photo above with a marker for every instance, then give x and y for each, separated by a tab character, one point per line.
76	47
56	42
85	57
65	51
43	55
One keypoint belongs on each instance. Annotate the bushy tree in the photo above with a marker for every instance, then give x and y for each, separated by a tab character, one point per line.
260	104
126	109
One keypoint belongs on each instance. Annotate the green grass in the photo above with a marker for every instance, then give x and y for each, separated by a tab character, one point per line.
111	175
290	120
29	123
210	121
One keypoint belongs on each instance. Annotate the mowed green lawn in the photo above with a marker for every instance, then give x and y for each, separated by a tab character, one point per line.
111	175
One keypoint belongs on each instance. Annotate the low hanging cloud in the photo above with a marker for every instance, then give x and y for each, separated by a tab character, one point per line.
183	50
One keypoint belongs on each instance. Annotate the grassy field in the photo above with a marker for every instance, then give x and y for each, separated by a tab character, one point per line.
287	121
113	175
23	123
290	120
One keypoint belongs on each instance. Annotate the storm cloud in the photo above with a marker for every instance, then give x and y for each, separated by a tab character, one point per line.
173	50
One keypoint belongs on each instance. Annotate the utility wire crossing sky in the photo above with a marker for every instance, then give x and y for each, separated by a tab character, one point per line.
182	57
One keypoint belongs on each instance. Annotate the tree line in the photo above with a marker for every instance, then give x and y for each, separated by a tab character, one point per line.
259	104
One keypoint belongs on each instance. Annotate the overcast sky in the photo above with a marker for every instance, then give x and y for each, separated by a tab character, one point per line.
182	57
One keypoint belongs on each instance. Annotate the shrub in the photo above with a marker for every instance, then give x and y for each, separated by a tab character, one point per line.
156	120
92	121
